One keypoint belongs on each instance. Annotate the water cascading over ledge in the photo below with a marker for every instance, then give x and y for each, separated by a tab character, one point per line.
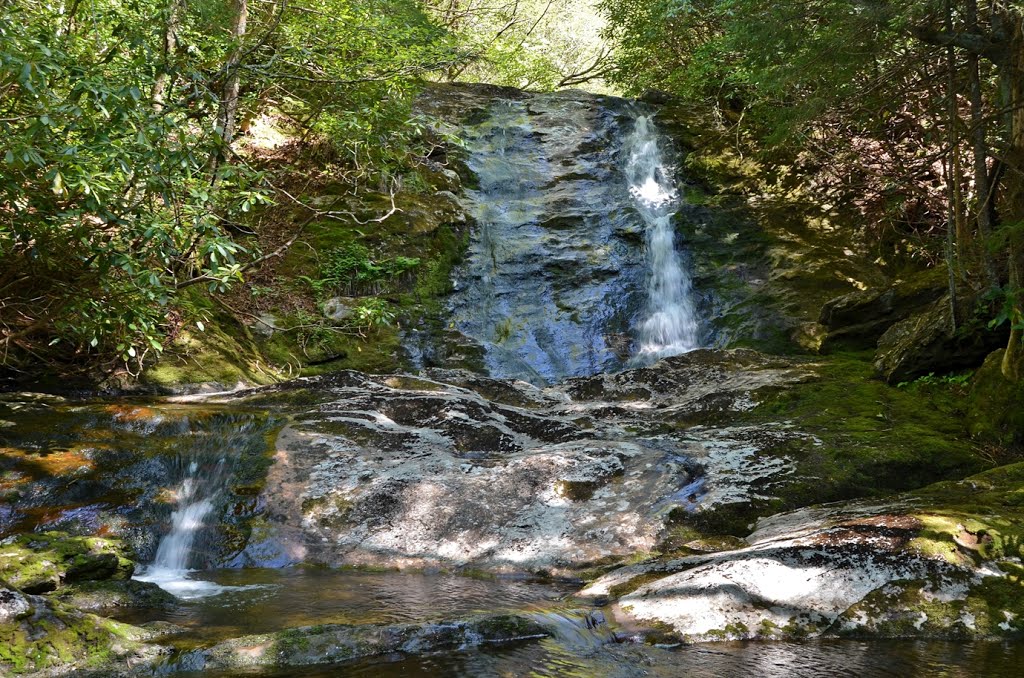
669	325
557	282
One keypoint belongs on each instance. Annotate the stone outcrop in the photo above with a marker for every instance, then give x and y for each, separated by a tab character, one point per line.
940	562
554	260
420	472
927	342
858	319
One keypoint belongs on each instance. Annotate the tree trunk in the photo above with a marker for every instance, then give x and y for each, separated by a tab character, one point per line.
982	185
229	102
952	167
175	11
1012	82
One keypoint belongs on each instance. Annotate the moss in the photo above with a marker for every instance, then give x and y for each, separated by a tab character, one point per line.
41	562
873	438
994	411
57	638
223	353
635	583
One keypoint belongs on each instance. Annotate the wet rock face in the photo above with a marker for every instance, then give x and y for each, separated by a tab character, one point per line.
496	474
113	469
555	272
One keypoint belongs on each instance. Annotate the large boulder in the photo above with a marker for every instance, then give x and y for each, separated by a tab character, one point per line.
40	636
940	562
994	412
858	319
927	342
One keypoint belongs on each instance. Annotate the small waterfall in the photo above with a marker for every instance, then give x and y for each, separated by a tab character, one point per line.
196	497
670	325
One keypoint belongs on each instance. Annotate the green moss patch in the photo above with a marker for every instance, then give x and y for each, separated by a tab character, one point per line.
40	562
61	640
874	438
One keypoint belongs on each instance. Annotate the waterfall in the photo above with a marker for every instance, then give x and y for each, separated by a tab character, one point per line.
669	326
195	496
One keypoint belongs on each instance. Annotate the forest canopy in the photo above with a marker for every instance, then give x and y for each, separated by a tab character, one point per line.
119	183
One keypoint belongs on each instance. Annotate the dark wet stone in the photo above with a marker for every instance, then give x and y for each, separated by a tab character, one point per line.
332	643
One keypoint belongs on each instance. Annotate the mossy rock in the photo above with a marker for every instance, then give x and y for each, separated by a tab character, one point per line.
856	320
55	639
41	562
125	593
995	411
871	438
927	342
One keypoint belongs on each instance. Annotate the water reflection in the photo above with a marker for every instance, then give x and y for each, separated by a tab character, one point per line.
817	659
264	600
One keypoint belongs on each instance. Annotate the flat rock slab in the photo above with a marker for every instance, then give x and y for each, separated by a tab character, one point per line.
333	643
498	474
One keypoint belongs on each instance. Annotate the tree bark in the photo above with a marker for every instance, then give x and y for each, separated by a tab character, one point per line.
1012	85
979	143
954	227
228	113
175	12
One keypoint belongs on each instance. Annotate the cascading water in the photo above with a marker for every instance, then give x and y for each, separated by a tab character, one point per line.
670	323
196	497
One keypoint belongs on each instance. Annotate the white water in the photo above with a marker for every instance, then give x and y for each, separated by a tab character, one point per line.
195	499
670	323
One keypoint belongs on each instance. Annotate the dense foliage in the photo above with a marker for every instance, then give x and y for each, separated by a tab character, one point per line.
118	183
911	112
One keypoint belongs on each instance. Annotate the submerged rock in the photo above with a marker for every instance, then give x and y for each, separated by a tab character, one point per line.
333	643
940	562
